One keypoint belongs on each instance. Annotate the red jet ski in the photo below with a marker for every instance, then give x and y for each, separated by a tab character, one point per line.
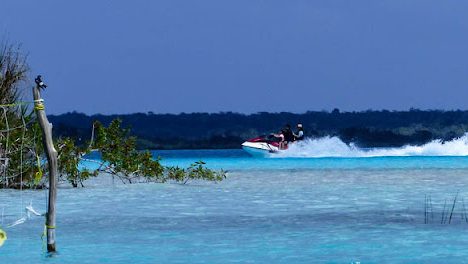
262	146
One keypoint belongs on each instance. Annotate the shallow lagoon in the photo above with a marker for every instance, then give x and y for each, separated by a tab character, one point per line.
285	210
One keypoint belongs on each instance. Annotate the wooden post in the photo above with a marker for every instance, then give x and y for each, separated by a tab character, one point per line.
51	153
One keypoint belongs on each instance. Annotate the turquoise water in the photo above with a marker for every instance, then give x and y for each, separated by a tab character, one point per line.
268	210
238	160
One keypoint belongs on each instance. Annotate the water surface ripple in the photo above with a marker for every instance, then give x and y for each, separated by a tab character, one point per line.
337	213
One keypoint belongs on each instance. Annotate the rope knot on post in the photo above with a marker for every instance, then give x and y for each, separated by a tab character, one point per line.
39	104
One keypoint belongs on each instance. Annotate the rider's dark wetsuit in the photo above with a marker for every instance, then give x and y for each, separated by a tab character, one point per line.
288	135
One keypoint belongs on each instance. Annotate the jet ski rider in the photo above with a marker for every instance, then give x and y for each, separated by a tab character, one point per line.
288	134
285	136
299	135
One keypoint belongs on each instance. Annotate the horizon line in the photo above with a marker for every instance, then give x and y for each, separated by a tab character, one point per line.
336	110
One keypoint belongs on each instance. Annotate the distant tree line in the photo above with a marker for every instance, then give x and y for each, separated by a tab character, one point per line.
228	130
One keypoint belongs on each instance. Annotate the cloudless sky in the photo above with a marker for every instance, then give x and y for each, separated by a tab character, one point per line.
171	56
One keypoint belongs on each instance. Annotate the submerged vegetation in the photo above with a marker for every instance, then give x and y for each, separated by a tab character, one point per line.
448	212
121	159
21	153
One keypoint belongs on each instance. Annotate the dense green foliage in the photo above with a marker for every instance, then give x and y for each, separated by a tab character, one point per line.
69	157
121	159
229	130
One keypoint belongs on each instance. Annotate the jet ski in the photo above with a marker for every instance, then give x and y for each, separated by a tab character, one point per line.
262	146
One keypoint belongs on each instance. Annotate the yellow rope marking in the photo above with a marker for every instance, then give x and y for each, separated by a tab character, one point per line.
15	104
39	104
39	173
3	237
39	107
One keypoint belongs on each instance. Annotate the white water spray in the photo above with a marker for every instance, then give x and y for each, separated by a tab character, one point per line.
334	147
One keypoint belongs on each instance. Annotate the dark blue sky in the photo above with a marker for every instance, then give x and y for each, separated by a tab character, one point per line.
120	56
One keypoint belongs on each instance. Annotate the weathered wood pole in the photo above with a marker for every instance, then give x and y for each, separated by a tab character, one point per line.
51	153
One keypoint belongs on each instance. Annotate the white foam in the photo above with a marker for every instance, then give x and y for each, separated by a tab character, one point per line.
334	147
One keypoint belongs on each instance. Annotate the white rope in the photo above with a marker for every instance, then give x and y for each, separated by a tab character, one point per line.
29	211
17	222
